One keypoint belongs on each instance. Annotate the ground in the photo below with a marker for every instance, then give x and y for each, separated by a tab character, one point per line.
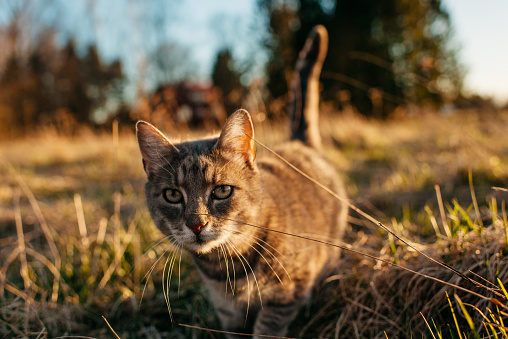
76	238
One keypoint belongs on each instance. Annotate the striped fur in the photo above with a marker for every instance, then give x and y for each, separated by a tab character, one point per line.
257	279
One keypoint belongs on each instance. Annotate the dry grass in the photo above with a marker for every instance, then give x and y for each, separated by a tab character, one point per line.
371	299
74	232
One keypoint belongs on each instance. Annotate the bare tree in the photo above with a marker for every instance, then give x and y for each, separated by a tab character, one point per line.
170	62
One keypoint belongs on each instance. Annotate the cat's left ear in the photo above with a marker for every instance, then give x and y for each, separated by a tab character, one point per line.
152	144
238	136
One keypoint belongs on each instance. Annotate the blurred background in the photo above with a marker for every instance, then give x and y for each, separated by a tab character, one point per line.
67	64
413	114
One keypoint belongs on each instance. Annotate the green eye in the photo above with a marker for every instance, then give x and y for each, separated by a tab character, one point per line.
172	196
222	192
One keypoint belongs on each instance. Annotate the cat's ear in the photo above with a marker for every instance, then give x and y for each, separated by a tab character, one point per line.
152	144
238	136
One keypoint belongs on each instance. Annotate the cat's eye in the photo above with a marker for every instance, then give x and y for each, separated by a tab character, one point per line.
172	196
222	192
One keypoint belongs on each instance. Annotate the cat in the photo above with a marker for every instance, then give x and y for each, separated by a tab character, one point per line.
227	208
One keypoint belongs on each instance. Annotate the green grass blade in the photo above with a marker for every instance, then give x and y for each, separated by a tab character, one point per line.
453	314
468	317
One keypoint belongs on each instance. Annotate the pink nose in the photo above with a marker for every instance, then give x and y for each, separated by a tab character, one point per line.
196	228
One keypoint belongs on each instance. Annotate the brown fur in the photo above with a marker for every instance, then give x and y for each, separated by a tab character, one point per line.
257	279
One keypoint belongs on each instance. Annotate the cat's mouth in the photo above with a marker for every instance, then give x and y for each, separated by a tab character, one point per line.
204	242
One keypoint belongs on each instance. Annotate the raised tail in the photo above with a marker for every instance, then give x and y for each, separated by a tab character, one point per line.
305	96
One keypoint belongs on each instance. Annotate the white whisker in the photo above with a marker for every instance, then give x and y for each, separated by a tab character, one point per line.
240	255
150	270
258	240
230	245
168	237
165	292
167	274
179	270
262	256
228	277
273	248
233	267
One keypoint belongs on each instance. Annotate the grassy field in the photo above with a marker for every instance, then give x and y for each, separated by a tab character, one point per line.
77	242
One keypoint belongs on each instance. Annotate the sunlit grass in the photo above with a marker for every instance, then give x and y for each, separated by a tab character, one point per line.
97	247
77	239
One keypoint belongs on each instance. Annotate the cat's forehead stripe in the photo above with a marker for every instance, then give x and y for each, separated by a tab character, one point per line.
182	171
180	175
195	170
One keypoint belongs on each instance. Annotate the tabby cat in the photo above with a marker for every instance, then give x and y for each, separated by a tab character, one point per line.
219	202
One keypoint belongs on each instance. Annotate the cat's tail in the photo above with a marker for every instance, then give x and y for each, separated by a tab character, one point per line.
305	91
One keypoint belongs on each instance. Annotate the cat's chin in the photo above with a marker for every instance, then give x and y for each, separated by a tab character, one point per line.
205	246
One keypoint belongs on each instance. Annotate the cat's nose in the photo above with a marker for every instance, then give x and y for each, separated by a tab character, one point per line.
197	227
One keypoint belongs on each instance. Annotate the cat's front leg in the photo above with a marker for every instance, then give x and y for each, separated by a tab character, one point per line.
232	320
234	315
275	319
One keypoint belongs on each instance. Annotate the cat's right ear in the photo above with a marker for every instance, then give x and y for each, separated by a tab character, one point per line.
238	136
152	144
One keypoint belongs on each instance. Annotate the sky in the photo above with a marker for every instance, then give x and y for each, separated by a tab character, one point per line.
202	27
126	28
481	29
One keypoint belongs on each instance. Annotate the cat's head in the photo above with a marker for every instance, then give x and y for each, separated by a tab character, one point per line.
195	189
